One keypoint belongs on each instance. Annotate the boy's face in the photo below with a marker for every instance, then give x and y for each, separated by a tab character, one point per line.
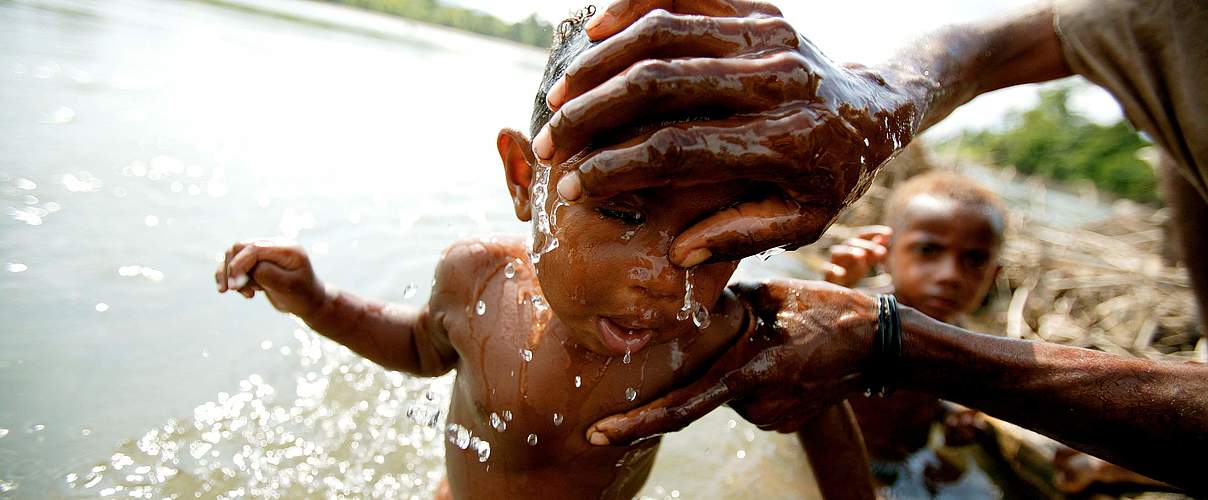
610	280
945	257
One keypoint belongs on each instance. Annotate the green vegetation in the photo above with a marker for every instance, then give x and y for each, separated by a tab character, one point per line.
530	31
1052	141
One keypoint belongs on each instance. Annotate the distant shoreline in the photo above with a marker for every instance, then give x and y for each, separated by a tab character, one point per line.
260	7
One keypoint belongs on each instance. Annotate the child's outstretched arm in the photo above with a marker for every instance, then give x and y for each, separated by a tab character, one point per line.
837	456
396	337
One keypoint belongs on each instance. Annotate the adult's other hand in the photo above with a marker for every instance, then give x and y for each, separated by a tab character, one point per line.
767	105
804	357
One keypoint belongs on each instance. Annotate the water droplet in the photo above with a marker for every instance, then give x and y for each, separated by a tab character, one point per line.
732	424
16	267
628	357
628	235
866	142
689	301
631	394
557	419
498	423
3	432
463	437
531	440
480	308
507	415
578	381
151	221
741	454
526	354
700	317
509	271
538	303
484	451
409	290
102	307
36	428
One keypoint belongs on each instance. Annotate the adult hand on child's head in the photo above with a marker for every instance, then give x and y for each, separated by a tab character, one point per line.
804	357
281	269
851	260
782	113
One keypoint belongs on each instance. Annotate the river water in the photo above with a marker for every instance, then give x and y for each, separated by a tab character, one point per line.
140	138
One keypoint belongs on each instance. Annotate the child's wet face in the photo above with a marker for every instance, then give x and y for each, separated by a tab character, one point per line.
944	258
610	280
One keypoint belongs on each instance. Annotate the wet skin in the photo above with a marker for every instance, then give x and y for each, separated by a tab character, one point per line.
1148	416
769	105
782	112
610	278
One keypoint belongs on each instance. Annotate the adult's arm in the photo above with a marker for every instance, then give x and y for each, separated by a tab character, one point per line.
813	350
776	109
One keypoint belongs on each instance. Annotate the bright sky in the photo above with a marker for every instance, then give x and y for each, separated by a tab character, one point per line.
867	31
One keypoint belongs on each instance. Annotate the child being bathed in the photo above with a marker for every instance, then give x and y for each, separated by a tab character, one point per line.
546	339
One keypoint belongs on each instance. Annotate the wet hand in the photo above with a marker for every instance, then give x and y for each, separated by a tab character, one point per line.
781	112
851	260
281	269
804	357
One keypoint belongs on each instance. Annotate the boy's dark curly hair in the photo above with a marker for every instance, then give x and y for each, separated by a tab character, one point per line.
570	39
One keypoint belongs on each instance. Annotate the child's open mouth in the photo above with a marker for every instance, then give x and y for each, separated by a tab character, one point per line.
619	339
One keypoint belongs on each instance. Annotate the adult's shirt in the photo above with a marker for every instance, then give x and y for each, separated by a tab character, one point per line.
1152	55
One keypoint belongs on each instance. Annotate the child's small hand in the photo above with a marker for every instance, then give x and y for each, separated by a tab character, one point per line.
851	260
961	427
280	269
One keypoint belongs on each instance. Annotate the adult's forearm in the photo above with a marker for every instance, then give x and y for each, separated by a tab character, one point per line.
1151	417
951	66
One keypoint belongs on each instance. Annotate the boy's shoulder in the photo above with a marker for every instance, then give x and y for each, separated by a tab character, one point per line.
465	263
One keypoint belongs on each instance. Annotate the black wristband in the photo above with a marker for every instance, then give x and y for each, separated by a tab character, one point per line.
886	348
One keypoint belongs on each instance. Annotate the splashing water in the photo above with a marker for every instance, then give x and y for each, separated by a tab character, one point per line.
692	308
484	451
631	394
689	302
700	317
543	237
769	253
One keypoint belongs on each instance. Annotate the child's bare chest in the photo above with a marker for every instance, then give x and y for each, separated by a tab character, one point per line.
529	393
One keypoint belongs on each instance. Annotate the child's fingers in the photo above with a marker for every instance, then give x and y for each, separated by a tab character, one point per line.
222	276
871	248
875	232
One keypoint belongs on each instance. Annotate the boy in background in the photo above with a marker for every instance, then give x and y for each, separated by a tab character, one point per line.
941	244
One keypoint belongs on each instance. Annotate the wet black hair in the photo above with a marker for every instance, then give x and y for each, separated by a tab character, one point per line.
570	40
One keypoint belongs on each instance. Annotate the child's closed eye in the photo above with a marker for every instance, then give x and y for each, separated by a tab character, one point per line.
625	216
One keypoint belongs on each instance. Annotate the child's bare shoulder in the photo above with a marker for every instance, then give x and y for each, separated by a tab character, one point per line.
467	263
